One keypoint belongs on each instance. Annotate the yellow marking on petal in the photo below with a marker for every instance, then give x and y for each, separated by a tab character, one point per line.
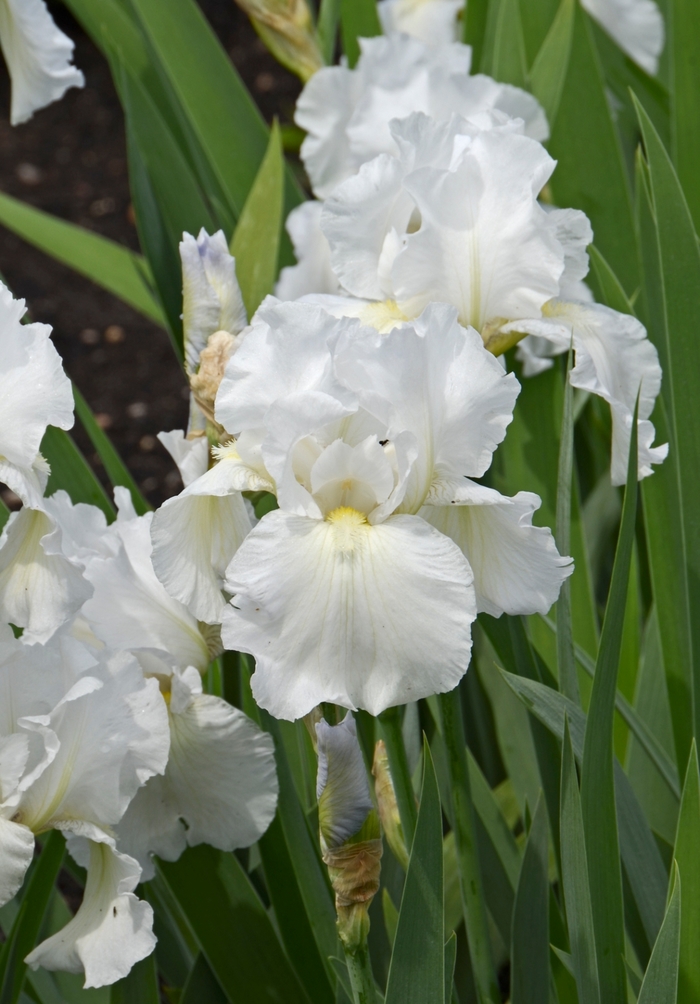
348	523
384	315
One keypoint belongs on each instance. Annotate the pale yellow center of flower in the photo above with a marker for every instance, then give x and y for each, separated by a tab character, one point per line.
349	524
384	315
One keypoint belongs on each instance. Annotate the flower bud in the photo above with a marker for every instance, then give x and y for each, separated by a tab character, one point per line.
349	828
387	804
286	28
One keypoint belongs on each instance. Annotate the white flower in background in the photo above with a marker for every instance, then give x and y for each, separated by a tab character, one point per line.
213	316
313	272
636	25
346	113
38	56
347	594
455	219
79	735
220	784
41	577
34	393
434	22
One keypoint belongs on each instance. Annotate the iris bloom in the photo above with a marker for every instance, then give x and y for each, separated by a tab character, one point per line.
38	55
348	593
79	735
455	218
434	22
346	113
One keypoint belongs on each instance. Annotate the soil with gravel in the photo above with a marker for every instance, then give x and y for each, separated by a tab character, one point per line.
70	160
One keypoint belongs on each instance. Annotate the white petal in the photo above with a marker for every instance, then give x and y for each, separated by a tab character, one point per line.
111	931
342	788
14	754
322	110
130	608
38	55
437	380
194	536
313	272
16	853
517	568
616	361
34	390
113	730
484	245
636	25
38	590
211	296
152	825
358	615
432	21
190	455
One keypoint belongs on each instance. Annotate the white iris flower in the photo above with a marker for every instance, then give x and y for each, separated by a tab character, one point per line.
434	22
38	55
79	735
455	218
348	593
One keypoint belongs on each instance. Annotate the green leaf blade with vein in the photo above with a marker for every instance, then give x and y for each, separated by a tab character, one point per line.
679	257
117	269
579	914
686	856
597	775
417	971
71	472
685	110
548	72
358	19
530	936
660	985
140	986
255	243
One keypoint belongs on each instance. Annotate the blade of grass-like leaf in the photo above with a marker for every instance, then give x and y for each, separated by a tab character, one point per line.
417	970
679	255
327	27
568	682
390	725
202	986
450	960
579	915
4	514
506	61
71	472
597	773
641	731
255	243
467	850
117	269
140	986
550	67
640	854
612	293
232	927
219	109
660	985
290	915
358	19
475	17
685	111
591	173
663	517
117	472
529	956
686	856
22	938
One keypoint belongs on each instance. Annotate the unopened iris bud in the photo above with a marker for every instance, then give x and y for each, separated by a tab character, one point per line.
286	28
387	804
349	828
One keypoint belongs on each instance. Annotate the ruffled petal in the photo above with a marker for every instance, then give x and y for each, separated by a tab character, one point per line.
517	568
195	535
112	930
190	455
357	615
313	272
636	25
38	55
16	853
342	789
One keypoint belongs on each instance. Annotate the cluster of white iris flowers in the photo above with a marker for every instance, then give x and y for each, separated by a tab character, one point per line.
368	397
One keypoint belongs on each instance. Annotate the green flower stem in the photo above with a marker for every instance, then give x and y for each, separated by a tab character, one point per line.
361	978
467	853
390	721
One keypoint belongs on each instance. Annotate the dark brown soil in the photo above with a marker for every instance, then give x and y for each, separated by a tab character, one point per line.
70	160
